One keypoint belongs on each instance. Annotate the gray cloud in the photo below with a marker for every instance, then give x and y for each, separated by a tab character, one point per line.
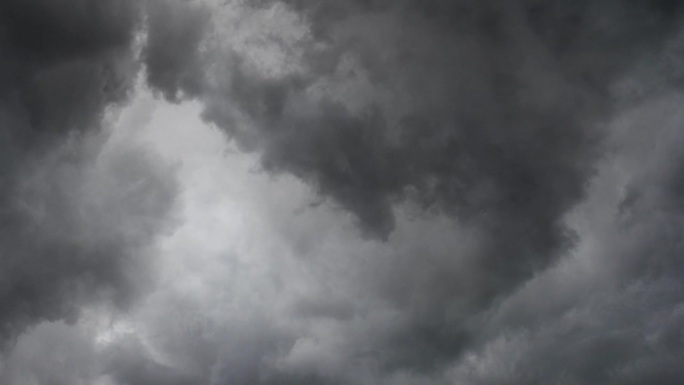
336	309
513	169
79	228
51	354
491	113
611	314
74	217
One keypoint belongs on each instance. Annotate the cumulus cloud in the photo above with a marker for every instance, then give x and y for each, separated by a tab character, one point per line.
490	112
75	212
369	192
611	313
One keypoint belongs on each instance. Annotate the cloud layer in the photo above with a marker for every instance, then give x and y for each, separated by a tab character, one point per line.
326	192
74	215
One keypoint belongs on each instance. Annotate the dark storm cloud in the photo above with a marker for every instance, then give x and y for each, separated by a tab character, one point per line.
73	219
477	94
174	32
494	115
52	49
619	320
494	121
79	226
491	112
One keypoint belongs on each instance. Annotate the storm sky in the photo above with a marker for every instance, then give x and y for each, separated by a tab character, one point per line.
341	192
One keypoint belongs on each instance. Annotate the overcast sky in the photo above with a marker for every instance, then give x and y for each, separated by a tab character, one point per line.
343	192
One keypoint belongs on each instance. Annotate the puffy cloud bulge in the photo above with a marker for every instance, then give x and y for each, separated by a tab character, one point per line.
496	190
73	217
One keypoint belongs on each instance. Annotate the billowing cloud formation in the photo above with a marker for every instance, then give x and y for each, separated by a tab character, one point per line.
250	293
496	184
488	112
75	212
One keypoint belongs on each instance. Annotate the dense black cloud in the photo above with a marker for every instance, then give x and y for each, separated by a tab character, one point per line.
613	315
73	217
490	112
462	99
52	49
172	54
536	143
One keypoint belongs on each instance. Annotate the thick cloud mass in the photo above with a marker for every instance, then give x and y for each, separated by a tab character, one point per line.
497	192
73	217
490	112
